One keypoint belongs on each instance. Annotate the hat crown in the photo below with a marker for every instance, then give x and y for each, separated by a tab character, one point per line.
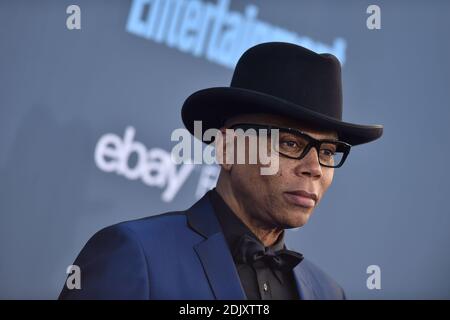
294	74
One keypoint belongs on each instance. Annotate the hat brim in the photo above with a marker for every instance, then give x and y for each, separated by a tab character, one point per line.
213	106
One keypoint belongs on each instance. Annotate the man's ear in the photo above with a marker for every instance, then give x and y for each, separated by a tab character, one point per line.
224	149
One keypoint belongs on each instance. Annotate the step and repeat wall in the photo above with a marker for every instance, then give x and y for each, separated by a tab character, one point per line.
90	92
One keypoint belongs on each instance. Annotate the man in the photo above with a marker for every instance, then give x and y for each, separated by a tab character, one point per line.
230	244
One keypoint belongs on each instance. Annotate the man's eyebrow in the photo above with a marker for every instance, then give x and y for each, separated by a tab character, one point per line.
333	138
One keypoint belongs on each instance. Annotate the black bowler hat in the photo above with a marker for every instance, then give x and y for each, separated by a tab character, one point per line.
283	79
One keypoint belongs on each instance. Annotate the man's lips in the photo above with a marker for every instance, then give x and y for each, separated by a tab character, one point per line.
301	198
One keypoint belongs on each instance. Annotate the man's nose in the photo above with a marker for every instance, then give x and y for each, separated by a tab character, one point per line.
309	166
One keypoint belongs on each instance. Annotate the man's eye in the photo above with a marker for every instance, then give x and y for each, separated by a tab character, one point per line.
290	144
327	152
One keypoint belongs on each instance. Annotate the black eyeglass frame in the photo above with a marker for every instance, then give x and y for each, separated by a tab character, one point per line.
342	146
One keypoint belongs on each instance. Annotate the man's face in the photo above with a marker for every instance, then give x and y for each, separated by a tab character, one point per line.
276	200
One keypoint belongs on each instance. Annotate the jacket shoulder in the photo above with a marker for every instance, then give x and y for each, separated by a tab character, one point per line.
324	286
113	262
156	226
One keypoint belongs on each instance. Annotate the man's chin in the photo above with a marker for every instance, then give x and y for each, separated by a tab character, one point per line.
298	219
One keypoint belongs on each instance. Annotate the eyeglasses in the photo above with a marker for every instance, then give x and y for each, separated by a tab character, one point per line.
295	144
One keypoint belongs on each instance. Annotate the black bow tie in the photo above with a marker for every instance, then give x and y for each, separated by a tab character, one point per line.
249	251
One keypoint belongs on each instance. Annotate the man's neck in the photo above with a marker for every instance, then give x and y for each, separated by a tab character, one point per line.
267	235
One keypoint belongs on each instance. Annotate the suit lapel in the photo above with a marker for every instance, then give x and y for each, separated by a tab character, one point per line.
213	252
304	288
219	268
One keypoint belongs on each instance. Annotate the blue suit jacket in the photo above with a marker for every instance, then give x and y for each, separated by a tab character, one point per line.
176	255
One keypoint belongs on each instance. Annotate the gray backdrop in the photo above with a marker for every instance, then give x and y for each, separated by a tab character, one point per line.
62	90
